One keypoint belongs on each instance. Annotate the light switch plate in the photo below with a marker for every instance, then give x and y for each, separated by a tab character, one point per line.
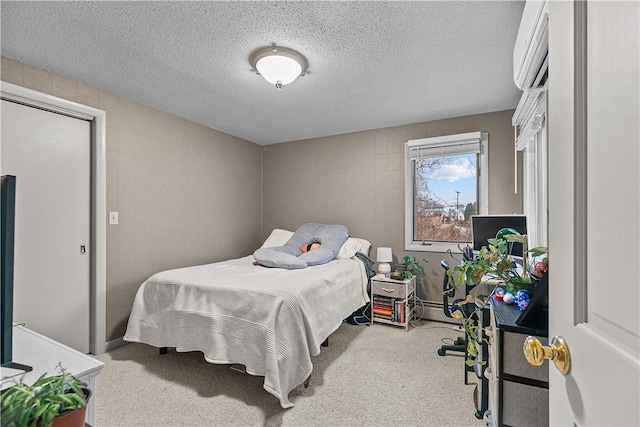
113	218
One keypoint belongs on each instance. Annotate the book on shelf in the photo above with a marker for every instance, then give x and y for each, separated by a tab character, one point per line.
379	311
384	306
393	310
390	308
382	316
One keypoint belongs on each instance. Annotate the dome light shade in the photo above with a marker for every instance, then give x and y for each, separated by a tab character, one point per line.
278	68
278	65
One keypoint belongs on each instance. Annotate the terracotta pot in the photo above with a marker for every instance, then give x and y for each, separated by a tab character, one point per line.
74	418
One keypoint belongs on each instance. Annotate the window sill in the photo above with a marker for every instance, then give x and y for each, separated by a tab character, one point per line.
439	247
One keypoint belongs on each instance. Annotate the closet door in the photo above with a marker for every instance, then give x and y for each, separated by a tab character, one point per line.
49	153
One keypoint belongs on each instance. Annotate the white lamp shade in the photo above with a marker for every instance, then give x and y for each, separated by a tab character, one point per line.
384	255
278	68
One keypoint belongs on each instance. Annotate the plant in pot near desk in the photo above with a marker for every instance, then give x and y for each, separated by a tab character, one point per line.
59	401
409	268
494	261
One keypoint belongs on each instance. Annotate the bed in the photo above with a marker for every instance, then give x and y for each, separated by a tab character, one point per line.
270	320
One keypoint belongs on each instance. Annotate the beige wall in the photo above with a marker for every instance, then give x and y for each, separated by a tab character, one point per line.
357	179
186	194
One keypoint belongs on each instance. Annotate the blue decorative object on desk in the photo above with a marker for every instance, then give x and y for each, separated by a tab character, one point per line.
522	298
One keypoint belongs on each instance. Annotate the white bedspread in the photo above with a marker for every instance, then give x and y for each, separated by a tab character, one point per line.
269	319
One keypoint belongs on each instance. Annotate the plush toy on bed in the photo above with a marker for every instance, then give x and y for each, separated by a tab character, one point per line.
311	244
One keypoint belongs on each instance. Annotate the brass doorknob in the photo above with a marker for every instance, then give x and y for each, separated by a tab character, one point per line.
558	351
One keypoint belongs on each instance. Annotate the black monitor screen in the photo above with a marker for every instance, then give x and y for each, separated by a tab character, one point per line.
485	227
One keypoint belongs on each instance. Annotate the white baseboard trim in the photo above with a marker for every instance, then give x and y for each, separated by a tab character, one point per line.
112	345
429	310
434	313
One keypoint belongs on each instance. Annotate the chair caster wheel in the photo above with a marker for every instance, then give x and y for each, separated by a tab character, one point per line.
442	352
479	415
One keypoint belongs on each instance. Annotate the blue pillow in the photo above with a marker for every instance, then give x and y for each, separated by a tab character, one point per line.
290	255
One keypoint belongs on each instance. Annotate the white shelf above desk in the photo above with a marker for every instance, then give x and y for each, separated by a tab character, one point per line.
43	355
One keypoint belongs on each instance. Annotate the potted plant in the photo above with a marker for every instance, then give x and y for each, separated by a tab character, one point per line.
494	261
59	400
410	267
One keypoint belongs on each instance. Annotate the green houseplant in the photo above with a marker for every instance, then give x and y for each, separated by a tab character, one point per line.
410	266
59	400
496	262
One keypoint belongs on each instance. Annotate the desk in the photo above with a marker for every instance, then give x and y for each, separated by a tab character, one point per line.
518	391
43	354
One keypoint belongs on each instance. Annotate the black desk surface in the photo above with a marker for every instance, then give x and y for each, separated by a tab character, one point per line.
507	314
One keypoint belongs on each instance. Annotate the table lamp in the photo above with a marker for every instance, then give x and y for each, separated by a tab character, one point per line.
384	257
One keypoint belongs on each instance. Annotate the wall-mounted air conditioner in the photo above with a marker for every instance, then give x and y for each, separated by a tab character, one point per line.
530	54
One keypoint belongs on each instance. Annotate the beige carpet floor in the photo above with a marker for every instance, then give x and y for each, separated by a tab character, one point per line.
368	376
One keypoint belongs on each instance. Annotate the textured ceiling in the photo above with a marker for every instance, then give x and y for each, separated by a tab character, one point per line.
371	64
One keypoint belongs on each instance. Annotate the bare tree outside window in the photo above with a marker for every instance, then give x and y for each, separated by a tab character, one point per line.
445	197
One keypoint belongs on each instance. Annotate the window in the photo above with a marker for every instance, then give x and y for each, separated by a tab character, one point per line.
445	183
531	127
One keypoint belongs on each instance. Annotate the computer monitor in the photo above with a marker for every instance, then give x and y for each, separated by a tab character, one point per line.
485	227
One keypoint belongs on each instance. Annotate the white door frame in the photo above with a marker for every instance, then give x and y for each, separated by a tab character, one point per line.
29	97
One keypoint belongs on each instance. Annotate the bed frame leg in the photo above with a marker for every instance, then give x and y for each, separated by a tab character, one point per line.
325	343
163	350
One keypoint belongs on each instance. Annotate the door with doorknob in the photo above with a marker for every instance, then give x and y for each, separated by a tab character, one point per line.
50	156
594	200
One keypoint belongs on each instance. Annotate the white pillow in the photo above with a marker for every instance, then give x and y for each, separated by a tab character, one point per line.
353	245
277	237
365	245
349	248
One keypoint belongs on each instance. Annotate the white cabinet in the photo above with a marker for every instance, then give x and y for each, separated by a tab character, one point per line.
43	355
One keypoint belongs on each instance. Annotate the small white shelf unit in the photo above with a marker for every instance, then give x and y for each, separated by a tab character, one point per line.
393	301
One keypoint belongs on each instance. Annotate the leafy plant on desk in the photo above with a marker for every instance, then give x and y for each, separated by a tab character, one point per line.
44	400
495	262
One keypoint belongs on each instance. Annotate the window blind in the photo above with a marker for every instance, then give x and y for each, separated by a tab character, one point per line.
530	120
450	145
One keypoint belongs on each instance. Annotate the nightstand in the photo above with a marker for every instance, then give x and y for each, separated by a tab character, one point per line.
390	301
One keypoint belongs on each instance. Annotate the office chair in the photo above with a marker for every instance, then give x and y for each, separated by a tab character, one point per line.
448	291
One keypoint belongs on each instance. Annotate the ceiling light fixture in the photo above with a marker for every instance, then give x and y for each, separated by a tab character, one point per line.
278	65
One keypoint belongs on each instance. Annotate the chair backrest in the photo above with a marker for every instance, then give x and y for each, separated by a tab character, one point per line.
448	290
